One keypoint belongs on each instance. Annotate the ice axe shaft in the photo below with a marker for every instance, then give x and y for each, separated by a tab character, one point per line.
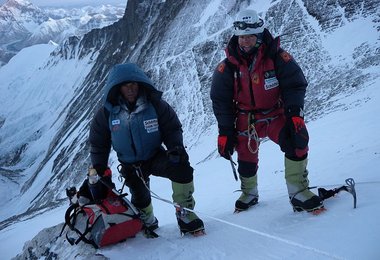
233	167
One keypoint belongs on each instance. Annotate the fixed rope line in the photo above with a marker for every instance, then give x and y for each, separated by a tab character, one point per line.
286	241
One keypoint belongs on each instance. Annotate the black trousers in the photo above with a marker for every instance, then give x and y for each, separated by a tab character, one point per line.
158	165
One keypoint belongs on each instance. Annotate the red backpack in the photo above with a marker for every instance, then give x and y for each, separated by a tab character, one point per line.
101	224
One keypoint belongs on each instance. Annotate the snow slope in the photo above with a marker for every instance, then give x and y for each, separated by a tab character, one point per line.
41	96
343	144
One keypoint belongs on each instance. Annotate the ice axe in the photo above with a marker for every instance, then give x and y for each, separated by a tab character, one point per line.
350	187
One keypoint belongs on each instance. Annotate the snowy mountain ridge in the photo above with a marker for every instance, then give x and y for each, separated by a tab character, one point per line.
22	24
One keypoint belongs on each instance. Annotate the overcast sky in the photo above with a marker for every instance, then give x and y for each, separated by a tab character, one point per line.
72	2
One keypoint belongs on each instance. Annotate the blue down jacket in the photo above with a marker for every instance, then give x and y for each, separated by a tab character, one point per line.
137	134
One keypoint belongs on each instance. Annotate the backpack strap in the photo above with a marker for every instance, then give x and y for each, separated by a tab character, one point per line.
70	219
68	216
82	236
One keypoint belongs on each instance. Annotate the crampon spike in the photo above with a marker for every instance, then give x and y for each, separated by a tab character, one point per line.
195	233
317	212
199	233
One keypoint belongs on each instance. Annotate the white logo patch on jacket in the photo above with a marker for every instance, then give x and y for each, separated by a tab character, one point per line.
270	80
115	122
151	125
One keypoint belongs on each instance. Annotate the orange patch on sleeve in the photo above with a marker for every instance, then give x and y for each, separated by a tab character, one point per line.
221	67
256	78
285	56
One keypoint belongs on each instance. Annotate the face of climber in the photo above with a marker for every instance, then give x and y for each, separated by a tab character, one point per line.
130	91
247	42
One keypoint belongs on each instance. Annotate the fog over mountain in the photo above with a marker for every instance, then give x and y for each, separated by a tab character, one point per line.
50	92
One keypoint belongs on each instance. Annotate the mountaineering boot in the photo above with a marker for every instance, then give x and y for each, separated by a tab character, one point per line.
148	218
188	221
249	196
301	198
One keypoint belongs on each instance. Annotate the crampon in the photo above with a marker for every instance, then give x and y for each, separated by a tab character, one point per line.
195	233
314	211
317	212
239	206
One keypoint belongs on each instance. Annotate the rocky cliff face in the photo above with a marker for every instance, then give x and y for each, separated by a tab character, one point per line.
179	43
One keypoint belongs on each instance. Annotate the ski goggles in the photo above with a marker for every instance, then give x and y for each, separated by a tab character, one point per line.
243	25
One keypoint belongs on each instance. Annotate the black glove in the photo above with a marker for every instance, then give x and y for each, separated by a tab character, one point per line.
105	175
294	136
226	145
102	170
177	155
298	132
